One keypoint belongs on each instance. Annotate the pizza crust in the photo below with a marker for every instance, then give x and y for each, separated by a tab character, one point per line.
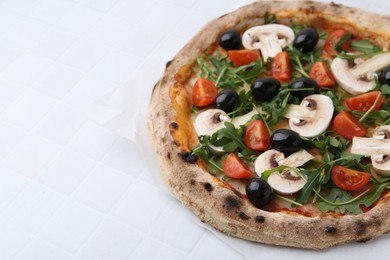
172	134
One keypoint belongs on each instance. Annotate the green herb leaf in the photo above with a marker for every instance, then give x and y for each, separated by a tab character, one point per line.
340	200
268	19
365	46
374	195
313	178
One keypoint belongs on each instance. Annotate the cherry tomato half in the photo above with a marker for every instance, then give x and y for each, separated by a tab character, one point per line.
256	136
333	39
348	126
243	57
236	168
204	93
349	179
281	67
322	75
365	101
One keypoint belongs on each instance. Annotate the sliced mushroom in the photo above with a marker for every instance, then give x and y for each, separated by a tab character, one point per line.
382	132
210	121
377	147
312	116
286	182
359	77
242	120
270	39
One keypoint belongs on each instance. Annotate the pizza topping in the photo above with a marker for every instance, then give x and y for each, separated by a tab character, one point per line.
378	147
226	100
334	40
230	40
312	116
359	78
189	157
256	136
204	92
285	181
243	57
210	121
281	67
304	87
365	102
306	39
236	168
270	39
259	192
265	89
322	75
348	126
286	141
349	179
385	76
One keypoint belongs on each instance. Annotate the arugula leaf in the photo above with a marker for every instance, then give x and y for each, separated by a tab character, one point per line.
234	136
365	46
268	19
313	179
375	195
301	61
335	200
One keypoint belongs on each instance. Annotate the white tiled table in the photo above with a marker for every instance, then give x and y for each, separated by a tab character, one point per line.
69	188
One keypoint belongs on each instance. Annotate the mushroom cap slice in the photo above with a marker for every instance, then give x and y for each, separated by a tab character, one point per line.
210	121
381	164
267	161
312	117
270	39
382	132
351	83
360	78
286	182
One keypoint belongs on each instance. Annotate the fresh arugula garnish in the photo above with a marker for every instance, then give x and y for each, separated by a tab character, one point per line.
339	200
365	48
268	19
302	62
375	194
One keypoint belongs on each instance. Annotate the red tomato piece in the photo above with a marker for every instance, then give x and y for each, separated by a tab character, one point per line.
322	75
256	136
236	168
365	101
348	126
243	57
349	179
204	93
333	39
281	67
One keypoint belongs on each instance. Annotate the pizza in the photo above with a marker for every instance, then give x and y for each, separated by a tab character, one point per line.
273	124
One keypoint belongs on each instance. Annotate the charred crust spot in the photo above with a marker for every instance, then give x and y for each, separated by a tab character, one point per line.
330	230
260	219
243	216
208	187
360	227
174	125
334	4
232	202
167	64
364	240
169	155
222	16
192	182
